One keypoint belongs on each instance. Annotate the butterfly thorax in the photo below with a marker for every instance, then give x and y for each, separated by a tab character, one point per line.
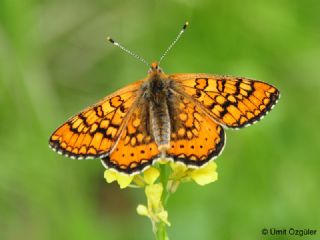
156	94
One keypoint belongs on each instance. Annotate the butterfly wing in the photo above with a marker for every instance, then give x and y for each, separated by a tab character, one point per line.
195	137
93	132
136	148
234	102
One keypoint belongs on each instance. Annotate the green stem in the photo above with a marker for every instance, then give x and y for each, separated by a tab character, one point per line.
160	227
164	177
161	231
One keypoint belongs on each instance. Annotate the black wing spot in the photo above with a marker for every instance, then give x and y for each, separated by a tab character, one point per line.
122	108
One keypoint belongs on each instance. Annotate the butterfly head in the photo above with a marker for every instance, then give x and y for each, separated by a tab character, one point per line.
155	69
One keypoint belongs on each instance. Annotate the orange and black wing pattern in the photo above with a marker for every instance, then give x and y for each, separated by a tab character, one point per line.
234	102
136	148
93	132
195	137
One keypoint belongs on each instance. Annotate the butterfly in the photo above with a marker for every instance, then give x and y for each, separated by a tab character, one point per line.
182	117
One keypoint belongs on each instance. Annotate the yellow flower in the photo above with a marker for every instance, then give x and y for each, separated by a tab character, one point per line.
206	174
123	179
154	193
151	175
179	171
202	176
155	210
142	210
163	216
148	177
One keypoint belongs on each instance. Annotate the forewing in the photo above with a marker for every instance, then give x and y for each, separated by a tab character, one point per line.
195	137
234	102
92	132
136	148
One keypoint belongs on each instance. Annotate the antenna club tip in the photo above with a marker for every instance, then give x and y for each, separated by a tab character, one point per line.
110	40
186	24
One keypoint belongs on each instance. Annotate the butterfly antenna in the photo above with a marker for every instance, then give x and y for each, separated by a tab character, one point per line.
175	41
127	51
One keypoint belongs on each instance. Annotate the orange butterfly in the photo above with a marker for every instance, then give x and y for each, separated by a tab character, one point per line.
178	116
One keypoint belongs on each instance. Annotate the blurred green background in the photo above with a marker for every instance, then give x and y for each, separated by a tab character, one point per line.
54	61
